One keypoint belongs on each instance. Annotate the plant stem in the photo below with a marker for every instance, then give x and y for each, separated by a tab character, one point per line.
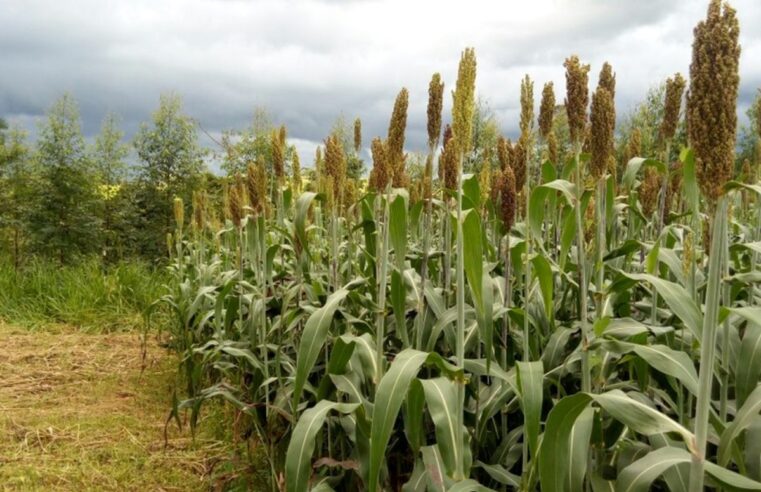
383	266
708	345
460	347
586	380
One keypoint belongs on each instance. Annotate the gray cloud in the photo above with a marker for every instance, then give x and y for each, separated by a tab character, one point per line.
309	61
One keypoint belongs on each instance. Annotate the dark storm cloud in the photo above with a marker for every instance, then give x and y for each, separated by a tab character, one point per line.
308	62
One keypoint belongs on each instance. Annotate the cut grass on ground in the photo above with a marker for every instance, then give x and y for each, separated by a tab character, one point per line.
76	414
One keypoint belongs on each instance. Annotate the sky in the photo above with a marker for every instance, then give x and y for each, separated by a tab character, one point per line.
307	62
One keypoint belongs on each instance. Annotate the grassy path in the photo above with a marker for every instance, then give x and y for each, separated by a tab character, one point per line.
76	414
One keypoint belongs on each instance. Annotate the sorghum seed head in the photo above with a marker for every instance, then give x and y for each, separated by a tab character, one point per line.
577	97
507	196
435	104
603	116
379	176
236	200
395	140
296	178
335	164
634	145
504	152
484	181
448	161
357	135
278	153
518	162
546	110
648	191
608	79
714	82
552	149
464	102
671	107
527	108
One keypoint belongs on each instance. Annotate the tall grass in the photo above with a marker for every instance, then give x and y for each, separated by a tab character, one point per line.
87	295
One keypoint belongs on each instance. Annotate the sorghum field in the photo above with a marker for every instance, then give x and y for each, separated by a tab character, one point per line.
563	320
575	310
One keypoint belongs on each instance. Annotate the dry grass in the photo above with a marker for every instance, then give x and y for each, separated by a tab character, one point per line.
76	414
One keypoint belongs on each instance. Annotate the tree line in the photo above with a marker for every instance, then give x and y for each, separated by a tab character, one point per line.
65	199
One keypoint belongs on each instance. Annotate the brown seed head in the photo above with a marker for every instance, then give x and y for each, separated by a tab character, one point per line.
296	178
518	161
672	105
448	162
714	82
278	153
484	182
379	176
546	110
507	197
552	149
256	193
504	152
648	191
318	161
603	116
357	135
634	145
577	97
335	164
395	140
236	200
435	104
527	108
464	102
608	79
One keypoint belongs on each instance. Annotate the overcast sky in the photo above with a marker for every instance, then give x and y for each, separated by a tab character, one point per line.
307	62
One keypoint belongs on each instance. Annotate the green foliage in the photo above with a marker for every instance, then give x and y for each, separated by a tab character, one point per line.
64	223
171	163
85	295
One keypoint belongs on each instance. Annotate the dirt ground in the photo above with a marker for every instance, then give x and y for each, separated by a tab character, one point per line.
77	413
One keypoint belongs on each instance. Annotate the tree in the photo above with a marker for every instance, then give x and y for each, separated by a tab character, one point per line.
171	163
16	176
63	220
108	157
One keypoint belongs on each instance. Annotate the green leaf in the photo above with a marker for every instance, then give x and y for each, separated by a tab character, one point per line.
441	397
314	336
633	167
299	455
745	417
662	358
748	372
391	392
398	299
678	299
555	457
468	485
531	385
302	213
546	282
639	476
438	481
